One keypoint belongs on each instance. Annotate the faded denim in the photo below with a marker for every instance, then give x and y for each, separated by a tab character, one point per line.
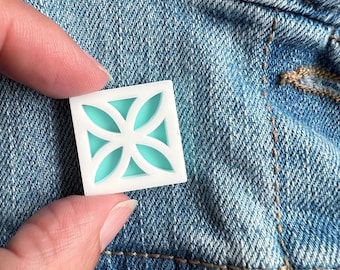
257	87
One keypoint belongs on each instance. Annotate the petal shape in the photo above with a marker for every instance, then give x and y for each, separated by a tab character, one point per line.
123	105
101	118
154	157
160	133
133	169
108	165
147	111
95	143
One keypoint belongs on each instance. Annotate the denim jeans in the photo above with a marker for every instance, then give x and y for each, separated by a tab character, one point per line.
257	89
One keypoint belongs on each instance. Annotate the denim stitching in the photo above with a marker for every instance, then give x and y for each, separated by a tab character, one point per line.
141	223
293	77
270	39
334	37
183	261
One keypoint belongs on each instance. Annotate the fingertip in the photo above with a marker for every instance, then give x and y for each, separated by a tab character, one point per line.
106	72
81	74
115	220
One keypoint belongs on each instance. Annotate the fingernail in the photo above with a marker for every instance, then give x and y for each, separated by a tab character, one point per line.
115	220
106	72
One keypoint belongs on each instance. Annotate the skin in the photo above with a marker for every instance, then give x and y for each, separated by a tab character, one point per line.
36	52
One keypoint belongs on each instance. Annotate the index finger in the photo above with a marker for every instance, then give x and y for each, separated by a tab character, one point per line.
35	51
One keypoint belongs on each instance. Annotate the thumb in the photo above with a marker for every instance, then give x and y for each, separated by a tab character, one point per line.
67	234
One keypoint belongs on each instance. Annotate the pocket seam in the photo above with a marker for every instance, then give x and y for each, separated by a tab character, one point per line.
334	37
183	261
275	139
293	78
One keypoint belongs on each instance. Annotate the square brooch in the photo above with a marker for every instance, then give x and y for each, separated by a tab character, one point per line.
128	138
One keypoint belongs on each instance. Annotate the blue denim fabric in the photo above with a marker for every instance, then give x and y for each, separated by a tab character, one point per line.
263	158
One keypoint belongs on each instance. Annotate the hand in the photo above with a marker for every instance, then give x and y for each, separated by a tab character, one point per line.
36	52
69	233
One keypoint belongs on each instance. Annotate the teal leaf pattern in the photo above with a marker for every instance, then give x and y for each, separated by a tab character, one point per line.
101	118
150	151
123	105
133	169
160	133
154	157
108	165
147	111
95	143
